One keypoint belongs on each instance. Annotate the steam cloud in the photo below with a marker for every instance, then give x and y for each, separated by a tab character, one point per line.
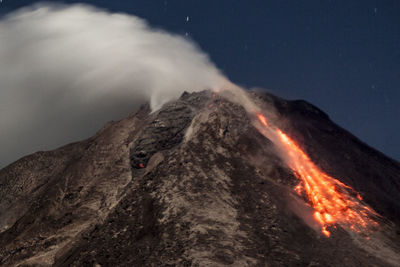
66	70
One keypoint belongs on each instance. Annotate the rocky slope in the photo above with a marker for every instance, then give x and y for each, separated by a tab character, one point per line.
193	184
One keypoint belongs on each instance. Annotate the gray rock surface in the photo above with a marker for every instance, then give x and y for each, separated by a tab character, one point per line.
193	184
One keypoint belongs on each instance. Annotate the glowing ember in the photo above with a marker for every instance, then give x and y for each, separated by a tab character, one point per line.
263	120
333	201
141	165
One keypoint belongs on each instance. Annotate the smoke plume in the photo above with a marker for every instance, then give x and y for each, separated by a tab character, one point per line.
66	70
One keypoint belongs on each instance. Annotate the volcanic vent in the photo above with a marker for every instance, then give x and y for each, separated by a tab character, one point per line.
205	182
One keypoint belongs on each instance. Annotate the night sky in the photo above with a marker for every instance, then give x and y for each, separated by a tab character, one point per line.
342	56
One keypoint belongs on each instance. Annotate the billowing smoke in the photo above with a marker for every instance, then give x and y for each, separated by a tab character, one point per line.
66	70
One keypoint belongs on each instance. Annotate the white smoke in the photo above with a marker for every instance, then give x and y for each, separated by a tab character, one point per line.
66	70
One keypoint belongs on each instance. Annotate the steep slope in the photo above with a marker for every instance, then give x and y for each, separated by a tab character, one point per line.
47	199
194	183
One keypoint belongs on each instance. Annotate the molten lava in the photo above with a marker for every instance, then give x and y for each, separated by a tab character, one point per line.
333	202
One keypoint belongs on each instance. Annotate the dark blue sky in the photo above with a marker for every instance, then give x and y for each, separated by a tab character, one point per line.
343	56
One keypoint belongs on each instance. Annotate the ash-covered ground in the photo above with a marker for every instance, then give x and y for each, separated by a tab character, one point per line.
194	184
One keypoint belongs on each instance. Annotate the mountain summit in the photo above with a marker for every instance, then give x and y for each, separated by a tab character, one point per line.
197	184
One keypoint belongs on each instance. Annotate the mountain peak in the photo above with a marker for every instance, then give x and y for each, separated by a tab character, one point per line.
194	183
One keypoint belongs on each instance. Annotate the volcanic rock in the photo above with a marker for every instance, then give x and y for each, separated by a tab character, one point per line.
194	184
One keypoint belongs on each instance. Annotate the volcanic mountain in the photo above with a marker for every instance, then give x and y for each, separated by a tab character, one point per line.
203	181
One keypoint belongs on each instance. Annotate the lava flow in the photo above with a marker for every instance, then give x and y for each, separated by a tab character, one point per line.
334	203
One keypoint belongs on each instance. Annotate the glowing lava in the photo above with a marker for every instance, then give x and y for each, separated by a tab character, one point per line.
333	201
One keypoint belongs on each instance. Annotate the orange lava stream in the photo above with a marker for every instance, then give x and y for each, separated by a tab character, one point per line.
333	202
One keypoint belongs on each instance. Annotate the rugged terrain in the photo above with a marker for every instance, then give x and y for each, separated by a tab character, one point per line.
193	184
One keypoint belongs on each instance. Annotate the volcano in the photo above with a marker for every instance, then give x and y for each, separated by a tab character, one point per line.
204	182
